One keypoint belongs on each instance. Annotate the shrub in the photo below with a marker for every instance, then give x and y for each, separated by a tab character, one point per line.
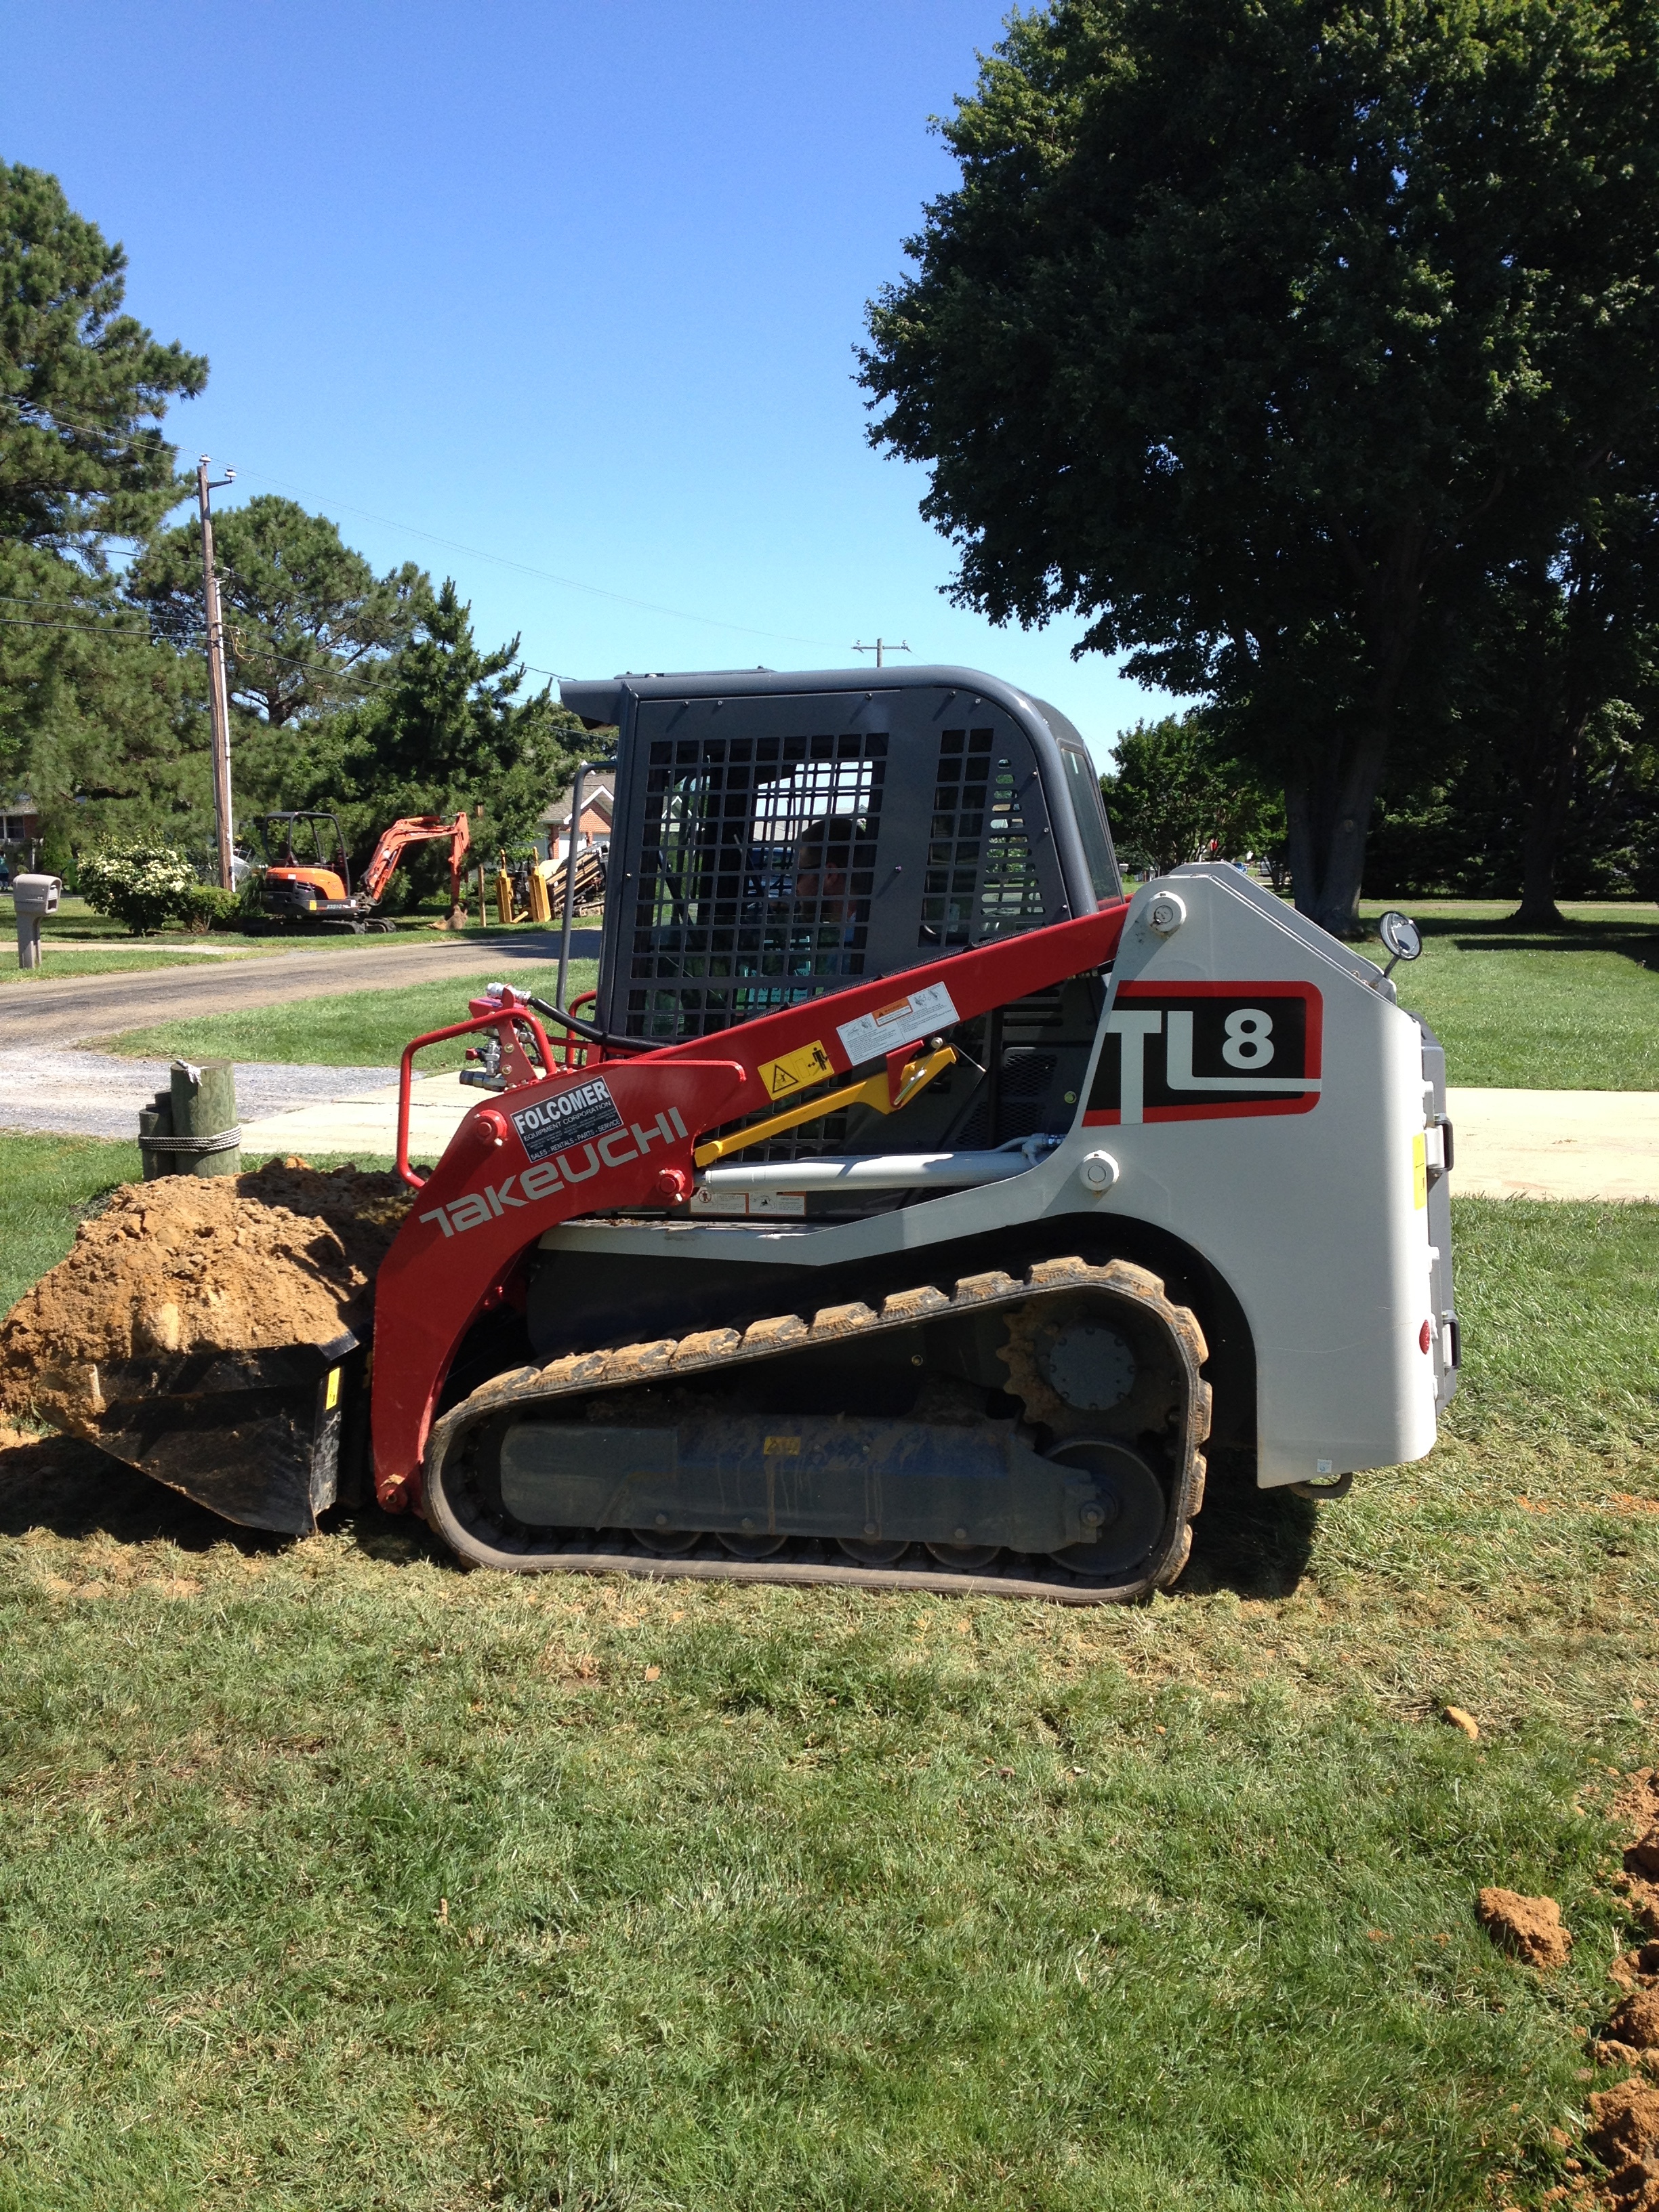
145	886
208	908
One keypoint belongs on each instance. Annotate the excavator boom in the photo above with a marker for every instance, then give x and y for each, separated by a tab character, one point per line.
414	829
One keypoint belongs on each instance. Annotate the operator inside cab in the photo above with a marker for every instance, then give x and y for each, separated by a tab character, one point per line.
824	865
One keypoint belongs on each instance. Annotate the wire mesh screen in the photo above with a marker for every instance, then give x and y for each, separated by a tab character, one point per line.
981	879
757	870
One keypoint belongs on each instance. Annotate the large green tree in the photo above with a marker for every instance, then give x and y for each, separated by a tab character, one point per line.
445	728
1263	336
93	719
1571	660
82	386
1175	792
309	626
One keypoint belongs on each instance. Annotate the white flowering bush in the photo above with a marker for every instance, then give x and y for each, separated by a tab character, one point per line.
146	887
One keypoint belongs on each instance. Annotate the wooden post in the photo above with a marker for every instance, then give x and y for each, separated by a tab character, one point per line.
155	1119
203	1108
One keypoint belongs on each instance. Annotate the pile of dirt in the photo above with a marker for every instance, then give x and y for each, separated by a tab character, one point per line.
1624	2124
1624	2133
1530	1927
286	1255
1638	1808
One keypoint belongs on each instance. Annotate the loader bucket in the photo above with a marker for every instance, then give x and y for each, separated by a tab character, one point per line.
255	1437
212	1333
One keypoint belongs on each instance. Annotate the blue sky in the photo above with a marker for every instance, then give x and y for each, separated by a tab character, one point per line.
576	286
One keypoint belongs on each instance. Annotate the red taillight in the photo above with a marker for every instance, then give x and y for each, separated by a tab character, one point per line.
1426	1336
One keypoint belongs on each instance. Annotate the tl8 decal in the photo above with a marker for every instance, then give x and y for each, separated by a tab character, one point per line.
1207	1051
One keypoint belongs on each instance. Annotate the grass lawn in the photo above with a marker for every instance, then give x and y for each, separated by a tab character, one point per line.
1564	1010
76	941
45	1185
59	959
1575	1009
357	1028
331	1877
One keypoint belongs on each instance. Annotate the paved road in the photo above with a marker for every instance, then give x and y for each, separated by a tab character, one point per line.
101	1006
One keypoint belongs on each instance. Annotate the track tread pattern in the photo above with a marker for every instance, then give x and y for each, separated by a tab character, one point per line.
712	1351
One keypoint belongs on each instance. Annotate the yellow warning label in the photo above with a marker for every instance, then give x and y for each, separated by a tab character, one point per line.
1420	1171
796	1070
332	1395
783	1447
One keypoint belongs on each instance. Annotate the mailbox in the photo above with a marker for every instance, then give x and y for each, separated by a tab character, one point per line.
36	894
32	897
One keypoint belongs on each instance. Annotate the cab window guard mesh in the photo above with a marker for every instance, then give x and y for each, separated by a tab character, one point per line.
981	879
757	870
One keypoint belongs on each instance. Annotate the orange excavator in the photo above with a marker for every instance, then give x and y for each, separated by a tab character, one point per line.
307	880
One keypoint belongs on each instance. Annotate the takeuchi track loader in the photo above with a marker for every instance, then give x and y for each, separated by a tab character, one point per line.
907	1208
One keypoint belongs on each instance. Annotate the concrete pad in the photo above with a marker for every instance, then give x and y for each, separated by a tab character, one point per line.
365	1121
1555	1144
96	1094
1510	1144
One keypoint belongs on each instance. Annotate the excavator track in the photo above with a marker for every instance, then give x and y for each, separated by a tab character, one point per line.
1064	1328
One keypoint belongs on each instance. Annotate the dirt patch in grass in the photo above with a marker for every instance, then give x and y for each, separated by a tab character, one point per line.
1530	1927
286	1255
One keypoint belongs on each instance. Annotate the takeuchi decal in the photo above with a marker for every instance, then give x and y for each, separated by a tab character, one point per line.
1207	1051
591	1153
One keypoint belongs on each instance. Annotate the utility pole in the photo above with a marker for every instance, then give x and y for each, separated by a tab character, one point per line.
882	645
218	695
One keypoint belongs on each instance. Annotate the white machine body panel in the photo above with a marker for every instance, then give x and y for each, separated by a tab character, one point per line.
1311	1197
1255	1092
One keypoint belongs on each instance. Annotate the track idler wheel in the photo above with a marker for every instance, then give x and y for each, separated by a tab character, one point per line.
1130	1506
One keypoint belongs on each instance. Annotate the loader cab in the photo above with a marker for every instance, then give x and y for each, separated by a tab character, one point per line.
778	837
306	869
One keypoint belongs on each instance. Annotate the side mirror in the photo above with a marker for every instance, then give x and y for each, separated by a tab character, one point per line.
1401	935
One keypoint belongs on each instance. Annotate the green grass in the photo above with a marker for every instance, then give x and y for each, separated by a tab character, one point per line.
60	960
332	1877
1576	1009
46	1184
355	1028
76	941
1566	1010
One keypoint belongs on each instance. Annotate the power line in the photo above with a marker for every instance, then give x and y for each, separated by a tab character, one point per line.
549	575
87	630
477	553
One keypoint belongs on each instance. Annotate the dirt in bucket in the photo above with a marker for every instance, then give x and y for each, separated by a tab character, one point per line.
285	1255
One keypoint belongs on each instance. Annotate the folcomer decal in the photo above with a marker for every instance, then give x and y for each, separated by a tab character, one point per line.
576	1117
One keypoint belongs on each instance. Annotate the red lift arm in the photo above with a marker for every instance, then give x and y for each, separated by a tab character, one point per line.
621	1133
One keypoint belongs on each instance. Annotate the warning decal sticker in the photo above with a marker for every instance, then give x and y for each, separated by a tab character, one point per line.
902	1021
1208	1052
795	1071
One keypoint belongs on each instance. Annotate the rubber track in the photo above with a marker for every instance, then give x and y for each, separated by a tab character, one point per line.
710	1352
